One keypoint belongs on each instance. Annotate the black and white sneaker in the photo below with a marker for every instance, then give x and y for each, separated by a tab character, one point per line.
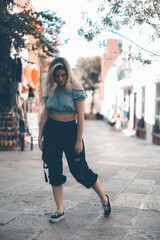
107	208
56	216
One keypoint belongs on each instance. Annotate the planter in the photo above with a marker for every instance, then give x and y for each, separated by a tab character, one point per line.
93	116
90	116
141	133
156	138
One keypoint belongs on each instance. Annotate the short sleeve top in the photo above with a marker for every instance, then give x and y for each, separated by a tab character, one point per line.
64	102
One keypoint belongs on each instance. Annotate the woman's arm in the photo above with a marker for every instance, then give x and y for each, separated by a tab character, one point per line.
42	122
80	119
80	126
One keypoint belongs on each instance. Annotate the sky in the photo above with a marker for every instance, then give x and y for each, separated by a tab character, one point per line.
70	12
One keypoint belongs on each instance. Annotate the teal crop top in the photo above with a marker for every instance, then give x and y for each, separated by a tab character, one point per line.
64	102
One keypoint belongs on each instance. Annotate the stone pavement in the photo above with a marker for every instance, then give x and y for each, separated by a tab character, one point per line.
129	170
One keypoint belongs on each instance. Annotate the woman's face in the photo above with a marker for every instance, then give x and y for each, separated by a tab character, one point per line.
60	77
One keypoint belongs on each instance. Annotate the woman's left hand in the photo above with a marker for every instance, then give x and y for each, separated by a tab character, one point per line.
40	143
78	147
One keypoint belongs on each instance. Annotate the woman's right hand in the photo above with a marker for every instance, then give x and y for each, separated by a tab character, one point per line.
40	143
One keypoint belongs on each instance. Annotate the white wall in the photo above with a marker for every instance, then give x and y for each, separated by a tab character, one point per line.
110	91
141	76
145	76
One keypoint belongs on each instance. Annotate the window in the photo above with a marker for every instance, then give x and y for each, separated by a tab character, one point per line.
157	109
141	122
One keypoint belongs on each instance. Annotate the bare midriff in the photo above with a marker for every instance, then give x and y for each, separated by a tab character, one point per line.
62	117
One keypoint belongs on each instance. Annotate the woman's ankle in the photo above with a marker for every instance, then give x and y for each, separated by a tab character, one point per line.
60	209
104	201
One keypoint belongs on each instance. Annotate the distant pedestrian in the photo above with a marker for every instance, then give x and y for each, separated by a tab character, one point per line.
61	130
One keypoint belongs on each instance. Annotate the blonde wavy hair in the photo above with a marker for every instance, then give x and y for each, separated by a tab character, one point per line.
50	81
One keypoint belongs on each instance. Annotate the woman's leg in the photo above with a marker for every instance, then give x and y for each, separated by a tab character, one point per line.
58	196
99	190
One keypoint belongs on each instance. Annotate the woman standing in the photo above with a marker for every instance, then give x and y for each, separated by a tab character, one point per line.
61	127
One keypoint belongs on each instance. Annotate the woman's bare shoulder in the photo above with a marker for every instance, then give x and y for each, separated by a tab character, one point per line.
77	85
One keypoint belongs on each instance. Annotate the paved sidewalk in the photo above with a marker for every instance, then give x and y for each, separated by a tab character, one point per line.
129	170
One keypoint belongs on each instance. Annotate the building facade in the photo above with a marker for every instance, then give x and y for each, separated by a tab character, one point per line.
130	91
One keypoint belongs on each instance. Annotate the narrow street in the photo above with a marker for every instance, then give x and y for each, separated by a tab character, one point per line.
129	170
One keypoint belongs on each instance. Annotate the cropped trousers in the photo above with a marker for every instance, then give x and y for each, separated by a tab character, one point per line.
61	137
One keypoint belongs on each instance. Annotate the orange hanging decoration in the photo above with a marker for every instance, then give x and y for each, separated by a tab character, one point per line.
27	73
35	76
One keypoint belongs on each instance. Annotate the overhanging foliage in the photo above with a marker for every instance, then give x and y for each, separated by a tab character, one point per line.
16	23
114	14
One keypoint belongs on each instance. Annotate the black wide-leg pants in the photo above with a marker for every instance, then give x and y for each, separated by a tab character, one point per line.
61	137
